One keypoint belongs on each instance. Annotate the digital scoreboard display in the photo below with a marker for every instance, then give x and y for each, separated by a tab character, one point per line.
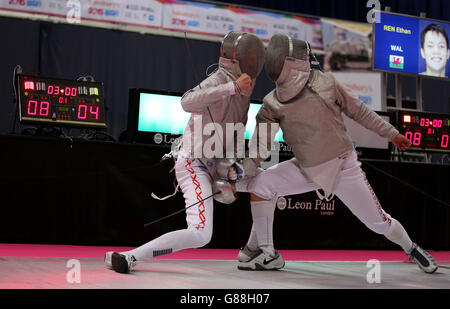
411	45
61	102
428	132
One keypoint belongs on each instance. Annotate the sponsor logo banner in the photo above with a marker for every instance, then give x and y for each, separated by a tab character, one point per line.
220	19
310	206
177	15
365	85
146	13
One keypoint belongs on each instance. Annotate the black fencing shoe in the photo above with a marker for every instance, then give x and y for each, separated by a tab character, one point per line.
422	258
122	263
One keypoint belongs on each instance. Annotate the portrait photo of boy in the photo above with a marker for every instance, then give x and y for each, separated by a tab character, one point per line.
435	50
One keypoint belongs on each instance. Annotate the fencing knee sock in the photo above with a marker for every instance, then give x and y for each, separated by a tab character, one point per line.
171	242
252	242
261	236
398	235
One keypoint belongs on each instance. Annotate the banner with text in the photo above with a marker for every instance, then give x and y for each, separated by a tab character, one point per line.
146	13
364	85
218	20
177	15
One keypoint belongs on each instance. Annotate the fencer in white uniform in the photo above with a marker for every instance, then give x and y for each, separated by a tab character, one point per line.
222	98
308	105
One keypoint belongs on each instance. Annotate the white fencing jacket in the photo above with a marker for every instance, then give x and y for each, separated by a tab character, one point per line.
312	125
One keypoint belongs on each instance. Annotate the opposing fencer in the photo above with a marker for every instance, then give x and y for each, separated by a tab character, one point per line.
308	105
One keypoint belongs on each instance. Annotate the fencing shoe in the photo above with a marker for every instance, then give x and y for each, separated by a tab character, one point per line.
262	261
107	258
246	254
122	263
422	258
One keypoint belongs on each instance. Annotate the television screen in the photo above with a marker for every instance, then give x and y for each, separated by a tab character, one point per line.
160	112
411	45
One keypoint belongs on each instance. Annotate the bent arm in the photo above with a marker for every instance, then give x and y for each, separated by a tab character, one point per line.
362	114
209	92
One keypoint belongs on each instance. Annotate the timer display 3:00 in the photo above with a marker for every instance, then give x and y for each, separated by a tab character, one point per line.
67	91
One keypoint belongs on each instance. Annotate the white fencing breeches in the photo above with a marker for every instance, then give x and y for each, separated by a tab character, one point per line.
196	184
352	188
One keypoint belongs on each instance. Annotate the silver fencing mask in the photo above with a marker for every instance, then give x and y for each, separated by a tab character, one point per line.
287	64
246	50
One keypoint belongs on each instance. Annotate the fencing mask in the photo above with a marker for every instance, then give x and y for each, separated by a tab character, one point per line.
287	64
245	52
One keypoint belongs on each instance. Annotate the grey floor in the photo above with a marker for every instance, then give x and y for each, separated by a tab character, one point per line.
56	273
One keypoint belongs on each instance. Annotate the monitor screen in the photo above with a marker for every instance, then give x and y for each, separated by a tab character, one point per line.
161	112
411	45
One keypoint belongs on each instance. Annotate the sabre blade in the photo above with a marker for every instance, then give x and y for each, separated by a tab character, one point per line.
179	211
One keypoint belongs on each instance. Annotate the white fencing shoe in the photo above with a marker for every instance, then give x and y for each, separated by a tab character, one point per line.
107	258
245	254
263	261
422	258
122	263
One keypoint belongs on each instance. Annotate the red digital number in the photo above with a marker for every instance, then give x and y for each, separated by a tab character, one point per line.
417	138
94	112
424	122
68	91
32	107
438	123
82	112
414	138
444	143
44	110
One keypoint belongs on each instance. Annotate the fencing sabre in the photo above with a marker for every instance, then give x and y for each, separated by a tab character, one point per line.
407	184
153	195
181	210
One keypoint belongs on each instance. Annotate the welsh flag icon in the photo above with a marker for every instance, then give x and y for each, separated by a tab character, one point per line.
396	62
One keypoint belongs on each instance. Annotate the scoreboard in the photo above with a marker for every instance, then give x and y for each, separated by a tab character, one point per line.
427	132
61	102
